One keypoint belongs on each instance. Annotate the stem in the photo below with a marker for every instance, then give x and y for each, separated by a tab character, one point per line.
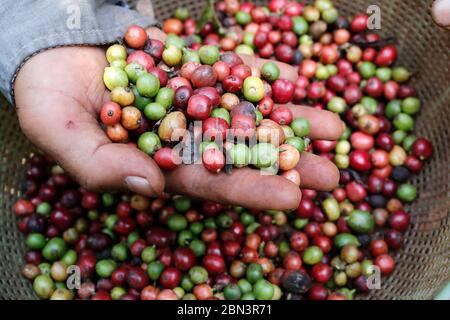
380	43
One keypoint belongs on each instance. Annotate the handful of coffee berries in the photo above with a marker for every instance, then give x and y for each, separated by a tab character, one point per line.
185	106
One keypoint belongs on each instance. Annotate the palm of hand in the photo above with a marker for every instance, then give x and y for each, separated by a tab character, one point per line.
58	98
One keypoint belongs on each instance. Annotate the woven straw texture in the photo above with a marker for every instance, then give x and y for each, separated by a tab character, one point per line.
423	265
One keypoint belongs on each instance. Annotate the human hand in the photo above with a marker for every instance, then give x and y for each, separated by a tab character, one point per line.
58	95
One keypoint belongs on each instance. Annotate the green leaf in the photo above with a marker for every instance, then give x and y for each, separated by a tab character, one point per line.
206	16
210	15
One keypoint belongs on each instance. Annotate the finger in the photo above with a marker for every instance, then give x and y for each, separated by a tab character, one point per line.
317	173
286	71
156	33
243	187
325	125
440	11
73	137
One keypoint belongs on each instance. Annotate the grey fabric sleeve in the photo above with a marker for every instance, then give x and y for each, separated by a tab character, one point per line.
30	26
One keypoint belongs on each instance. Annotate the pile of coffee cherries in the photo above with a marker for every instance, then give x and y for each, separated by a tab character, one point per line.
131	247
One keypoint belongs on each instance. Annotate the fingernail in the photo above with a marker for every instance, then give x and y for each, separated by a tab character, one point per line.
139	185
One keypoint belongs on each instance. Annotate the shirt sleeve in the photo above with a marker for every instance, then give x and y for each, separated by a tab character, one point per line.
30	26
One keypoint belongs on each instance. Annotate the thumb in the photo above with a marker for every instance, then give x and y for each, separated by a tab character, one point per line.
120	167
440	11
72	136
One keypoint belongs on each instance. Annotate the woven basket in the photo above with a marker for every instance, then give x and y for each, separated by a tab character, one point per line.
423	265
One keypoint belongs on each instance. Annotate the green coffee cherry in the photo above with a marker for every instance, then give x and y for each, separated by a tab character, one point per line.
209	54
115	77
116	52
270	71
149	142
147	85
239	155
